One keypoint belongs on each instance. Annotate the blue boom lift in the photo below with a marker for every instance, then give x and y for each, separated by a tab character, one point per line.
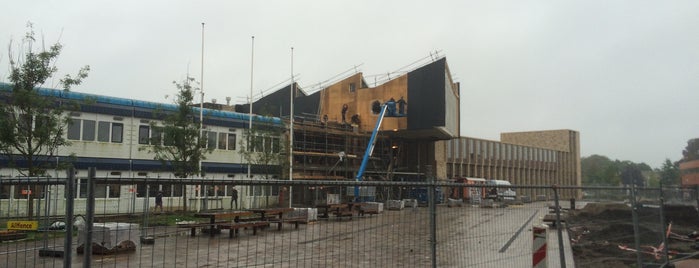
370	147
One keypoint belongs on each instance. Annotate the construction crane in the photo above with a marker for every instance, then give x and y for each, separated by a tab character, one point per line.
372	143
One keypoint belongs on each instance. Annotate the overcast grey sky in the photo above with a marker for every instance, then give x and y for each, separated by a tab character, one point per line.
623	73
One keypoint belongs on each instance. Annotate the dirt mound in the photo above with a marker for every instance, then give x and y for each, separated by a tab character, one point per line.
681	215
598	229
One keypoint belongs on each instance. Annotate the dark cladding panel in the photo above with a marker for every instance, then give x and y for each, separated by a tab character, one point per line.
277	104
426	96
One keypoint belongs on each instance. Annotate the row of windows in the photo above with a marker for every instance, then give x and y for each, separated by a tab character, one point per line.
216	140
114	190
103	131
496	150
91	130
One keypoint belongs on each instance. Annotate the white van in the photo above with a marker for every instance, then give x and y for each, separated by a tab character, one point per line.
501	192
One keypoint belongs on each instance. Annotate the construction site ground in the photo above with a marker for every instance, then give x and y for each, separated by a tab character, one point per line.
602	235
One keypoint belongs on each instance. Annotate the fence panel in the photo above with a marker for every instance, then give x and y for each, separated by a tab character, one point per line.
195	223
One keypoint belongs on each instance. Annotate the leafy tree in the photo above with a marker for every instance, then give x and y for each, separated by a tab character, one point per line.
32	126
669	173
599	170
691	152
261	147
177	143
631	174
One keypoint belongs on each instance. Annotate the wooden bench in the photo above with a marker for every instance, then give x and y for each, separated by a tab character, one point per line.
370	211
193	226
235	226
295	221
343	213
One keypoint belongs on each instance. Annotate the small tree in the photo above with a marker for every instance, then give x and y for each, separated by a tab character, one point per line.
669	173
178	144
261	147
32	126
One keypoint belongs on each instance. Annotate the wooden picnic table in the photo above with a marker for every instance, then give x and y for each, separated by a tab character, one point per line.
276	215
213	216
271	213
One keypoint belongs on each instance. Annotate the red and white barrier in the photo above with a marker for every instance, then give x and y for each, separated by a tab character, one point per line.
539	248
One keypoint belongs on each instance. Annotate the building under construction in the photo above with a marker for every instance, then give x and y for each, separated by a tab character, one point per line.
332	127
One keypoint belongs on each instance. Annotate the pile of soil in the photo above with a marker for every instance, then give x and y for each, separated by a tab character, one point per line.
599	229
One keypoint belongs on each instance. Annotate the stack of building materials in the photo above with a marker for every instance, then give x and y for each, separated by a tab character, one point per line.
455	202
111	235
395	204
487	203
333	199
410	203
526	199
307	214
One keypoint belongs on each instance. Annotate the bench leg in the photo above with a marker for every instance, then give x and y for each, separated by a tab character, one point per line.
254	230
279	225
296	225
193	232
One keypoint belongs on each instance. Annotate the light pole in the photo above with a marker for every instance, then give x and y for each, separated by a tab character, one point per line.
291	127
201	116
252	58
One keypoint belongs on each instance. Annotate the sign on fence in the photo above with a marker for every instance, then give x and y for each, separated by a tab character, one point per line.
23	225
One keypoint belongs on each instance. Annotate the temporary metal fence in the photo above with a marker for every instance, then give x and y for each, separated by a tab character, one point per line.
403	224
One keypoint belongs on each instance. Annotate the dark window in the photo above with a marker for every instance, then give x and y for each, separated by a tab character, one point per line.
103	131
117	132
156	136
74	129
88	130
275	145
231	141
376	107
352	87
268	145
222	140
143	134
211	140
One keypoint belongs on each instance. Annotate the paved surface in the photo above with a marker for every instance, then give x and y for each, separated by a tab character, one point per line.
466	237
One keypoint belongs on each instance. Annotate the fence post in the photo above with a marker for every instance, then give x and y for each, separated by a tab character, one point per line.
539	248
636	232
559	231
68	243
90	216
662	224
432	200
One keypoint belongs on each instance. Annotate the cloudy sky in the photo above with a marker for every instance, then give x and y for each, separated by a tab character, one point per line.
623	73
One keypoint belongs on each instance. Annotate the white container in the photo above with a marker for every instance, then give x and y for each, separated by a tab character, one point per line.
395	204
309	214
373	206
410	203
